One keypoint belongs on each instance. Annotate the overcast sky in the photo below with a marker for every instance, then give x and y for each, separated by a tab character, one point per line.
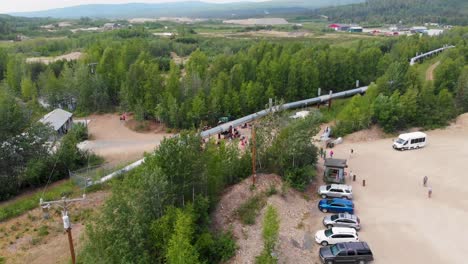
10	6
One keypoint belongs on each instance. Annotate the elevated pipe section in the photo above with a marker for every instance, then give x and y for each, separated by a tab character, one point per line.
250	118
312	101
430	53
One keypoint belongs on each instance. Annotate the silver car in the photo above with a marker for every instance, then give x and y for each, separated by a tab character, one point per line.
342	220
336	191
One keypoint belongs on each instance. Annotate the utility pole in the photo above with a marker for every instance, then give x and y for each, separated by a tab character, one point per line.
64	203
254	150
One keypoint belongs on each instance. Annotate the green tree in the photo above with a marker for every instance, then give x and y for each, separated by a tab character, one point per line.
180	249
28	89
387	111
14	73
197	64
462	90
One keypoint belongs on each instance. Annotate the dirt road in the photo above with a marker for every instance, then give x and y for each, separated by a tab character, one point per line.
400	222
430	71
117	143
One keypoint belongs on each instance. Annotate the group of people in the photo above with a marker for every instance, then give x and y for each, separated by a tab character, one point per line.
429	190
323	153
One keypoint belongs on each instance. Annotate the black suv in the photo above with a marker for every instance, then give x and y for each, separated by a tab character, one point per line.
350	252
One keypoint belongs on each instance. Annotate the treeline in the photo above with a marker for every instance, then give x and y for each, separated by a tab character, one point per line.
167	200
138	75
453	12
11	26
400	99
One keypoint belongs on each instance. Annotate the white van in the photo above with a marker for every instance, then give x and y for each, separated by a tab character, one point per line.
413	140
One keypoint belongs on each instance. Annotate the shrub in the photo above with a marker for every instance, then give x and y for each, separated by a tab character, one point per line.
299	178
43	231
270	235
248	211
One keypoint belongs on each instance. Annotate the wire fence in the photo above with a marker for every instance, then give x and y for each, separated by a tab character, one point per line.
86	177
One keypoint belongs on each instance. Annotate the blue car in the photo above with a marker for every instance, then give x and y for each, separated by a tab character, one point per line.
336	205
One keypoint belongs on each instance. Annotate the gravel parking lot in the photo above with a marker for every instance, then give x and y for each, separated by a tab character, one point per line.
399	221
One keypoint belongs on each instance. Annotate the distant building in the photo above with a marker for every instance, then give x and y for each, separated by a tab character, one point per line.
418	29
355	29
111	26
434	32
60	120
343	27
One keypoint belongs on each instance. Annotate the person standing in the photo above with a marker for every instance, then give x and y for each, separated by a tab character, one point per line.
331	154
429	192
425	181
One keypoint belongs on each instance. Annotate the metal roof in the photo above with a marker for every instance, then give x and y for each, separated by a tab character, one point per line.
56	118
336	163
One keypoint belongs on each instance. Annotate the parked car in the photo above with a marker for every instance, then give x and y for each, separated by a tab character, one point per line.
336	235
349	252
342	220
336	190
336	205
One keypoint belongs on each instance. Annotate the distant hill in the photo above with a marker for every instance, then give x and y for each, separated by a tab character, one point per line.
408	11
188	8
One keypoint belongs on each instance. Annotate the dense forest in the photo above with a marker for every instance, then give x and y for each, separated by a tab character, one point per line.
129	70
159	213
453	12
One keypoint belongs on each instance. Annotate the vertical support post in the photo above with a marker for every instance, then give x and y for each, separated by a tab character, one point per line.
70	242
67	226
330	100
319	91
254	150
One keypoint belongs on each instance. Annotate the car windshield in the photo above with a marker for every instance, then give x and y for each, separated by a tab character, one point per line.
328	232
334	217
334	250
400	141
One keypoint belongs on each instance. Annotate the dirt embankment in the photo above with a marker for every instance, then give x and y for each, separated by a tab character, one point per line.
296	213
31	239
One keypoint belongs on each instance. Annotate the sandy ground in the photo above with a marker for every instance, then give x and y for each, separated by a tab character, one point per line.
400	222
46	60
117	143
430	71
20	241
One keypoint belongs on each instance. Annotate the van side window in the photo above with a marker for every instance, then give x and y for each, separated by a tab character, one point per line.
363	252
351	253
413	141
423	139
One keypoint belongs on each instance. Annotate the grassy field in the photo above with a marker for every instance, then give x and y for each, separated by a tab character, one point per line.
68	188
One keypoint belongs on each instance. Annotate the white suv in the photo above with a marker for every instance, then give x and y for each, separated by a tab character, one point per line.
336	235
336	191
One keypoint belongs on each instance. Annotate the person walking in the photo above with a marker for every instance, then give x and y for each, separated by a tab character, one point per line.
331	154
321	152
425	181
429	192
